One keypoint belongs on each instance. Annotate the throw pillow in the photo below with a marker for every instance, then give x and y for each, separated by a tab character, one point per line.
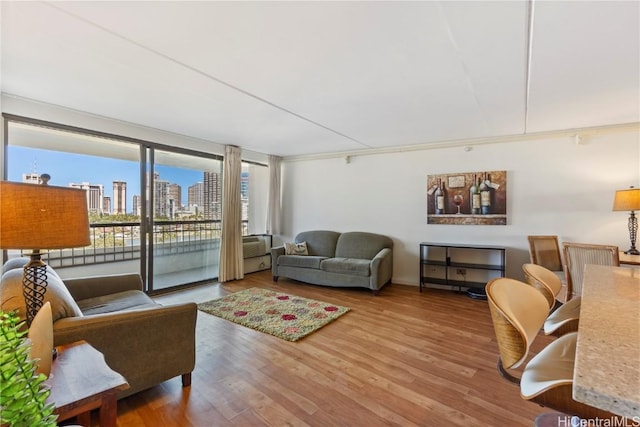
296	248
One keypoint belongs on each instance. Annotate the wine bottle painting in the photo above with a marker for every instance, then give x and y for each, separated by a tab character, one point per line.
473	198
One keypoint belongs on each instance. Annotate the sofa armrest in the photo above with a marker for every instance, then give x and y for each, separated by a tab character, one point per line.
96	286
275	253
381	268
147	346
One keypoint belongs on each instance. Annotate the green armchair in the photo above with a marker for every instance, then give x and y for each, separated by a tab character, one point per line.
146	342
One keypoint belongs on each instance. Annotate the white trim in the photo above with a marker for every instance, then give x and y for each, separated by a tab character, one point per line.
468	143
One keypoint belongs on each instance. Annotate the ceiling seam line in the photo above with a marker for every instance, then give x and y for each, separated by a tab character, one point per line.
489	140
465	70
529	41
202	73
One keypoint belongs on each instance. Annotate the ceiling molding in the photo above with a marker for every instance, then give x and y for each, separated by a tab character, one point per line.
577	135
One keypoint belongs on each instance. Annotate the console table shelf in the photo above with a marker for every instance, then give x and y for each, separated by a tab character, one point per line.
460	265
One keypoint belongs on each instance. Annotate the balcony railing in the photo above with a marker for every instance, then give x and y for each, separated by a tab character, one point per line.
176	249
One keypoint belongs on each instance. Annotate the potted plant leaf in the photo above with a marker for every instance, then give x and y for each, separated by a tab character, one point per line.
23	393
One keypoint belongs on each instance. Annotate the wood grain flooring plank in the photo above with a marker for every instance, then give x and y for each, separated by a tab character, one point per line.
402	358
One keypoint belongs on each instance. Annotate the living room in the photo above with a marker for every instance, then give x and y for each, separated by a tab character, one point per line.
567	144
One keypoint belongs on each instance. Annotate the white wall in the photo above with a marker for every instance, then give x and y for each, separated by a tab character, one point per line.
554	187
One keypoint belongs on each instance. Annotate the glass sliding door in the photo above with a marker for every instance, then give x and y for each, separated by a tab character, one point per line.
153	210
184	210
109	172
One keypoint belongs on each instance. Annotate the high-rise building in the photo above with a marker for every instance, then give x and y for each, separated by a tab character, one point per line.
137	205
195	196
31	178
161	198
212	195
95	193
119	197
175	194
171	208
106	204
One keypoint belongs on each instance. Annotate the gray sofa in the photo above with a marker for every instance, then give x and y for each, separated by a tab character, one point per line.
352	259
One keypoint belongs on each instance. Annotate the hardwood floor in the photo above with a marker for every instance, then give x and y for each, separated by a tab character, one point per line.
400	358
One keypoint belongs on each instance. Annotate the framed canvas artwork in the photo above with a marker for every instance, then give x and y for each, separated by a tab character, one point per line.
472	198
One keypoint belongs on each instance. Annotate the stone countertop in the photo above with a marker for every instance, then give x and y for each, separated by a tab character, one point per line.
607	367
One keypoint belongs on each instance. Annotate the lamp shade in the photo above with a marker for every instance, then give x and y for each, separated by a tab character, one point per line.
42	217
627	200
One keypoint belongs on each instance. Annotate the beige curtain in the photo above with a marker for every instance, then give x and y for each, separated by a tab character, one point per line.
231	266
273	207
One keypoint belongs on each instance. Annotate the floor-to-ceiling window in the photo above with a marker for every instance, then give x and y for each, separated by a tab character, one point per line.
153	210
184	212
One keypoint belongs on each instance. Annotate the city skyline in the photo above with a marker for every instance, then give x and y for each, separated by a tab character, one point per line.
106	189
67	168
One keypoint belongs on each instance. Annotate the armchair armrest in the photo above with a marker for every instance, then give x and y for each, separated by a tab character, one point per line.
147	346
96	286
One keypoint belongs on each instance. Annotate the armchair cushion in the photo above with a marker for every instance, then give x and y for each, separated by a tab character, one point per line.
120	301
89	287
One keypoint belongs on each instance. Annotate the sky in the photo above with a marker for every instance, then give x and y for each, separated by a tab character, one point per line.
66	168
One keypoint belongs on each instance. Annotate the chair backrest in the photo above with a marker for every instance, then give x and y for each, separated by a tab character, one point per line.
518	311
577	255
545	251
543	279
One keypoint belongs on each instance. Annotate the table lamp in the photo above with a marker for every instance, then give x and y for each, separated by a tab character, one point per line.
629	200
43	217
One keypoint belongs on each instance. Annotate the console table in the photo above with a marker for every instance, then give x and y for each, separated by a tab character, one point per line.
461	265
81	381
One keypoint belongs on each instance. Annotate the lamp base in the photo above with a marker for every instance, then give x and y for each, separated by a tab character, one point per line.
632	251
34	285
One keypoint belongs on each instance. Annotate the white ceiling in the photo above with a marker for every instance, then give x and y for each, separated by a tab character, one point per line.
300	78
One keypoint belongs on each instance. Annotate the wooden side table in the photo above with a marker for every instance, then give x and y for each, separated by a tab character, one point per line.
81	381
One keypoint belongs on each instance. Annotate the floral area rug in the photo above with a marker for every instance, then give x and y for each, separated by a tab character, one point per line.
285	316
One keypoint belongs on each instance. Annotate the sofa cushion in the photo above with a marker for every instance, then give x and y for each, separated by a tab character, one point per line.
62	303
319	242
301	261
296	248
357	267
361	245
127	300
